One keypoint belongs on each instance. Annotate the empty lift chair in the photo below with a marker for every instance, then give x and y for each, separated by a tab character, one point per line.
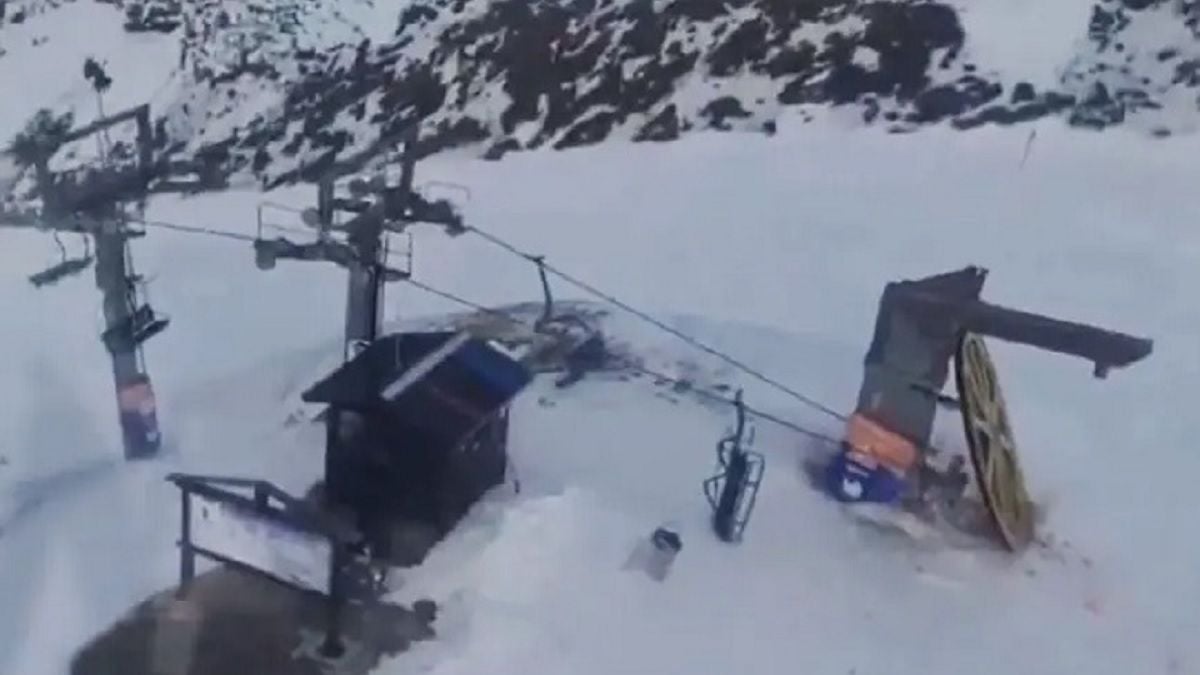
733	492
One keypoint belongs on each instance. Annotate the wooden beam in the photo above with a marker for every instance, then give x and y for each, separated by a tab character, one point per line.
1103	347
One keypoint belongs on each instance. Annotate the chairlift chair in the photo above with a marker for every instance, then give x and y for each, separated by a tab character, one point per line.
733	492
143	322
66	267
141	325
59	271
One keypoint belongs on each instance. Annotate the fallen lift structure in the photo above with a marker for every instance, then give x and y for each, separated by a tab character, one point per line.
920	327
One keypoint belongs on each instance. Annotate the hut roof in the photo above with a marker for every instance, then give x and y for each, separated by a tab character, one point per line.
445	383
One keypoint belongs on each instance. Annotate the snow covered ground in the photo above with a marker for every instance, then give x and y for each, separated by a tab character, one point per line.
778	250
774	249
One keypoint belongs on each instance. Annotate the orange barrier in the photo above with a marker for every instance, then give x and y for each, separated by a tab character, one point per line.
889	448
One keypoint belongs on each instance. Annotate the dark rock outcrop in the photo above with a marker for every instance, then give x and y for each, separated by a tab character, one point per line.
951	100
718	111
508	75
664	126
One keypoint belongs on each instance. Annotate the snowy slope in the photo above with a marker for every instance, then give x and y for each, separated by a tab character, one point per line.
785	265
775	249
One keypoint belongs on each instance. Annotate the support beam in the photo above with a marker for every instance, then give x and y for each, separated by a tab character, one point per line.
365	289
1104	348
140	113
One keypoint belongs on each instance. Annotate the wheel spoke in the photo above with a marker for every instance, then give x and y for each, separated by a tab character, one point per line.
988	429
985	384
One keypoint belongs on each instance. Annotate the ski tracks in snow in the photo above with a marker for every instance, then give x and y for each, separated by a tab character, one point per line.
26	497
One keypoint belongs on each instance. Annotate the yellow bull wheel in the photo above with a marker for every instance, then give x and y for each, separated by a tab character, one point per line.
990	438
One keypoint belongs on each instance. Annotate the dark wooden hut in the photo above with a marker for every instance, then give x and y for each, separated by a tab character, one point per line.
417	434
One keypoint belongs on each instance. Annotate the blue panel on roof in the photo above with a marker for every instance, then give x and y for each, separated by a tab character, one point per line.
360	382
505	376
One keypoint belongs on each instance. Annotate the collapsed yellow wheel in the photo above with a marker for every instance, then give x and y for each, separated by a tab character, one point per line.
990	439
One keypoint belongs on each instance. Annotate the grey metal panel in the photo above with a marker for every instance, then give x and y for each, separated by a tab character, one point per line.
908	357
913	348
889	398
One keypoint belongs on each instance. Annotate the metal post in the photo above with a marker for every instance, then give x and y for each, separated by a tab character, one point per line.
145	139
51	203
365	290
364	286
333	647
325	204
262	498
112	278
187	556
547	298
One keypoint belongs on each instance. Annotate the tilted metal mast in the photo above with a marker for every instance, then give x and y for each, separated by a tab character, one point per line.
919	327
90	204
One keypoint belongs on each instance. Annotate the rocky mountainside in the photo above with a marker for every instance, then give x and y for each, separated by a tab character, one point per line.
1142	62
282	89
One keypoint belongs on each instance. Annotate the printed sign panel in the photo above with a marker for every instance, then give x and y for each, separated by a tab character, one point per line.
139	418
266	544
137	398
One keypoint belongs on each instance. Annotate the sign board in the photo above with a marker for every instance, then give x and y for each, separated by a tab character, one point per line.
261	541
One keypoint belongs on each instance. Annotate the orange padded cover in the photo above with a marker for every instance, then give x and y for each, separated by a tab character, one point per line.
872	439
